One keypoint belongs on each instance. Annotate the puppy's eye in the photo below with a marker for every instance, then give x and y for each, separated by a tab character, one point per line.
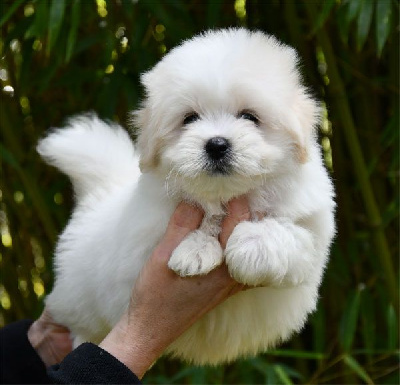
249	116
191	118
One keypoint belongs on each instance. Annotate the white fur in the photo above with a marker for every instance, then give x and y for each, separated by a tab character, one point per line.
121	214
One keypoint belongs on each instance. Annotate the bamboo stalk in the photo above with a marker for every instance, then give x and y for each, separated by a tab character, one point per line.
338	90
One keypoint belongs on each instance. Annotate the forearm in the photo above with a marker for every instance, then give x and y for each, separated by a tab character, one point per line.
135	348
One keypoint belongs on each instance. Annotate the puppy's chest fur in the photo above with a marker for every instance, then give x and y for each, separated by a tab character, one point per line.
212	221
262	203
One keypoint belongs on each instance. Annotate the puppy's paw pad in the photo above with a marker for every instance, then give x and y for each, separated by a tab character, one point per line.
197	254
251	256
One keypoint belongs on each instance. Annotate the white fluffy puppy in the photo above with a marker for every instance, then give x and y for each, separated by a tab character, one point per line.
225	114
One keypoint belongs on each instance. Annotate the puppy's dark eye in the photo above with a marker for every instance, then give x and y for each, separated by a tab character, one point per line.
249	116
191	118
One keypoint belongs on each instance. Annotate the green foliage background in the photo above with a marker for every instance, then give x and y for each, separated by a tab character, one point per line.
62	57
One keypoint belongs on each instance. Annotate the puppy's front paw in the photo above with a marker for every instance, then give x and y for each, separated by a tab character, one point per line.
253	256
197	254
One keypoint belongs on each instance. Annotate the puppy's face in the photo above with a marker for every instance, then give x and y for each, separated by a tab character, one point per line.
224	112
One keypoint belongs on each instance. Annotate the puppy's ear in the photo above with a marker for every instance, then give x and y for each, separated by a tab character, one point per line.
147	120
148	143
302	122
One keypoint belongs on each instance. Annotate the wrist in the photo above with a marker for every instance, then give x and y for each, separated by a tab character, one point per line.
51	340
38	338
134	347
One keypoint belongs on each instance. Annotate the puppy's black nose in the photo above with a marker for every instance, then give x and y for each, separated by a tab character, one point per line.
217	147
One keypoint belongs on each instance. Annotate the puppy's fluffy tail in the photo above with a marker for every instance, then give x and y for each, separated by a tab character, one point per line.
93	153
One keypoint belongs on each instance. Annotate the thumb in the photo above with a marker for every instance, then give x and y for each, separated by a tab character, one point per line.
185	219
238	211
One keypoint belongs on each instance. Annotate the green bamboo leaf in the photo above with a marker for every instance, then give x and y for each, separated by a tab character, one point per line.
323	15
383	14
282	375
318	322
384	352
349	320
15	5
8	157
393	334
47	76
270	375
357	369
368	318
364	22
75	17
343	21
353	10
39	26
297	354
260	364
57	10
291	372
274	371
199	375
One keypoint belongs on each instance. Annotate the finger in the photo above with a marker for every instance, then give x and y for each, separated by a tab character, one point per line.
184	220
47	319
238	211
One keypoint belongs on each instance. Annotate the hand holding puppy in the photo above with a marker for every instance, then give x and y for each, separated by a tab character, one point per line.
163	305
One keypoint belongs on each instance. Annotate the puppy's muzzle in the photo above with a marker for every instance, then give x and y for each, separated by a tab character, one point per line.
218	150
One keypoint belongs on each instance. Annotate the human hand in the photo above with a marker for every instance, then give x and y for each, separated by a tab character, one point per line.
51	340
164	305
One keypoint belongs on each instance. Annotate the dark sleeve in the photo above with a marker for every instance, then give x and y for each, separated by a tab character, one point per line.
89	364
20	364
